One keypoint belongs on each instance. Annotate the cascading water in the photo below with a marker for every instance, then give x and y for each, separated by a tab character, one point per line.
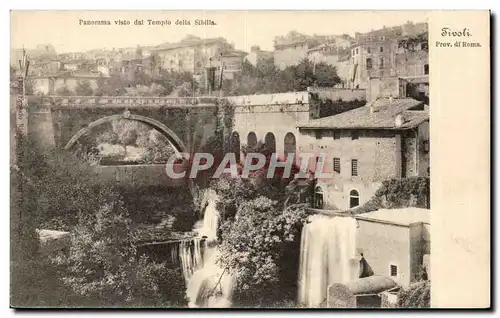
207	284
327	246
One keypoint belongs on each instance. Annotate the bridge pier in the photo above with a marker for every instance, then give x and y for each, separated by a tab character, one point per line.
41	127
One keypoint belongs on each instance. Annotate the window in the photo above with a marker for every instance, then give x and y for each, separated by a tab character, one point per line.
336	135
426	69
336	165
318	198
381	64
357	50
354	167
369	64
381	49
353	199
354	135
318	134
425	145
394	270
382	38
368	50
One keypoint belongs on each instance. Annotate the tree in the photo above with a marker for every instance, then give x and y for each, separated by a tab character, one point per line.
102	268
255	246
259	233
127	132
84	88
113	86
417	295
63	91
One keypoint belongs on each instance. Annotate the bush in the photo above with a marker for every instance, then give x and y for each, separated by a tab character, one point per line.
255	246
103	270
417	295
398	193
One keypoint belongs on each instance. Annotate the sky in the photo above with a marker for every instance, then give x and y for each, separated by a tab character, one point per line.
62	29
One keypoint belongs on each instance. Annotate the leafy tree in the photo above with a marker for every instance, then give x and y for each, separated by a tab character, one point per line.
255	244
63	91
266	78
84	88
115	85
417	295
127	132
108	136
259	233
103	270
141	90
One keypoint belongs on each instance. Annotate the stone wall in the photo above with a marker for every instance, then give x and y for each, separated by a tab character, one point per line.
277	114
377	155
383	245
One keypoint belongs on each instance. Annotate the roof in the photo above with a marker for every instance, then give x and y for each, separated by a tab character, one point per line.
403	216
424	79
380	114
67	73
190	43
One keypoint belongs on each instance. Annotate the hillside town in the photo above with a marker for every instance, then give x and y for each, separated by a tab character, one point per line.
105	128
369	61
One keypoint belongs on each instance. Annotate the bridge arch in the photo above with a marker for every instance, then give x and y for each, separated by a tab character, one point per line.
164	130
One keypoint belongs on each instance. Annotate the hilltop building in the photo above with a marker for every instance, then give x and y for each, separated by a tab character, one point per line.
292	48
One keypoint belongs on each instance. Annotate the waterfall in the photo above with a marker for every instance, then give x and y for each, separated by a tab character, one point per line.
208	285
327	246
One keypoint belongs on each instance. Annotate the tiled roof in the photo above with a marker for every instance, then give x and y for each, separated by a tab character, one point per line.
171	46
381	114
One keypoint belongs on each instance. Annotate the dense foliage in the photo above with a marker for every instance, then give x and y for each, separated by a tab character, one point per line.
260	236
399	193
103	269
153	146
266	78
417	295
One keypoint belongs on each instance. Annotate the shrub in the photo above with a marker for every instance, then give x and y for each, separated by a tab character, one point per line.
103	270
417	295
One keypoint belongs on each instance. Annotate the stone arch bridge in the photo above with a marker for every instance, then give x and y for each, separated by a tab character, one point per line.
59	122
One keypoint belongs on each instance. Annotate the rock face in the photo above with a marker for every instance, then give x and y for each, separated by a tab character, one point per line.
53	241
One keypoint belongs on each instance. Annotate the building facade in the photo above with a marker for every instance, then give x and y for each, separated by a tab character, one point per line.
395	243
192	54
49	84
365	146
257	56
292	48
400	51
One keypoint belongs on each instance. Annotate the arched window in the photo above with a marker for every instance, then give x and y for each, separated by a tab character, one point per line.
318	198
270	142
290	143
251	140
353	199
235	145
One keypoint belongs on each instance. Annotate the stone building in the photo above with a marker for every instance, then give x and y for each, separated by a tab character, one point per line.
325	53
387	138
231	61
273	118
398	253
48	84
400	51
257	56
192	54
292	48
